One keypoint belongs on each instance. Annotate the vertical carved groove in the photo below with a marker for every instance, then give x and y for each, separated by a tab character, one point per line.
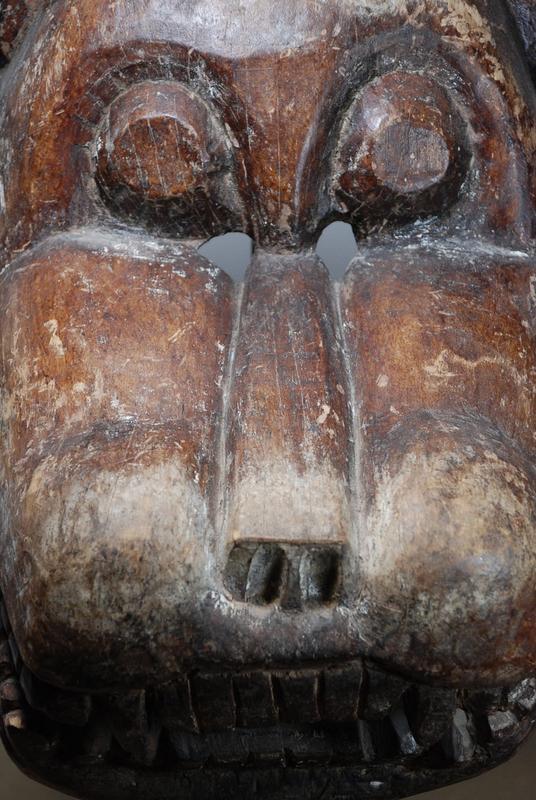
220	500
354	450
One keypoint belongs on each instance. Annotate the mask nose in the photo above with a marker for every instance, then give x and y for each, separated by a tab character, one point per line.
286	507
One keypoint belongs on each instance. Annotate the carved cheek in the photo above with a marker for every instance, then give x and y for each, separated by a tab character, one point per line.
114	377
448	540
450	550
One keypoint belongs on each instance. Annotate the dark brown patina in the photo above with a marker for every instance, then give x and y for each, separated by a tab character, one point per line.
274	538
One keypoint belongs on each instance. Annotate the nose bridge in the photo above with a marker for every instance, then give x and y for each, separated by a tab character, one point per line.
288	427
281	95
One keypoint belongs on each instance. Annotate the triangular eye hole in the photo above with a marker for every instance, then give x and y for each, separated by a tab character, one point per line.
231	252
336	248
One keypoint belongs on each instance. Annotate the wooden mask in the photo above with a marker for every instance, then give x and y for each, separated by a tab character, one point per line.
273	538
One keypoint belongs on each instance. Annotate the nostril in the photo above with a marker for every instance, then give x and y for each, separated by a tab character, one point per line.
265	575
294	576
255	574
336	248
319	572
231	252
236	571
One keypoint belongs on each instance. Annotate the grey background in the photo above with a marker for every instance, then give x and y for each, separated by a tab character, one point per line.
514	780
232	252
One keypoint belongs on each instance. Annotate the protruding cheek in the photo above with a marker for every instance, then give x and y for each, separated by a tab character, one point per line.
108	553
450	559
112	373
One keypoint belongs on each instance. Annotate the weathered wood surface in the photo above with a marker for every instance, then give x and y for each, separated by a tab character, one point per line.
283	532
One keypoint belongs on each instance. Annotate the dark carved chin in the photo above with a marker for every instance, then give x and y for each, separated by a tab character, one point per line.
351	724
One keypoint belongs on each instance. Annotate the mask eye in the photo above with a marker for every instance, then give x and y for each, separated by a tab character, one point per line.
402	155
164	159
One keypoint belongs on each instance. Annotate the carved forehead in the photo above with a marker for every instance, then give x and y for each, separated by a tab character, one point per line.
276	72
231	28
238	28
243	26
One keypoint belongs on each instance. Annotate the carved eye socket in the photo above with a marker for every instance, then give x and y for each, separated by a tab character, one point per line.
402	153
163	158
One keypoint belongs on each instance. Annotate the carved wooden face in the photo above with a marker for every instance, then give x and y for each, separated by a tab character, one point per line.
285	523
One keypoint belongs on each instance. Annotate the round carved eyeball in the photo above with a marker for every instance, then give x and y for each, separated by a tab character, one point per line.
164	159
407	158
402	152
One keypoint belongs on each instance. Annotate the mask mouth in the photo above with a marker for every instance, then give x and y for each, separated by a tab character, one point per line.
398	737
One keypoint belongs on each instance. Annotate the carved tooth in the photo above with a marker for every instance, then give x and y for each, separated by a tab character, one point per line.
399	721
523	696
97	741
341	691
131	726
213	700
432	714
306	749
16	729
459	742
483	701
503	725
15	654
10	696
29	687
190	747
228	748
4	619
174	707
6	663
15	720
67	708
255	700
26	742
267	747
297	697
383	693
365	741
